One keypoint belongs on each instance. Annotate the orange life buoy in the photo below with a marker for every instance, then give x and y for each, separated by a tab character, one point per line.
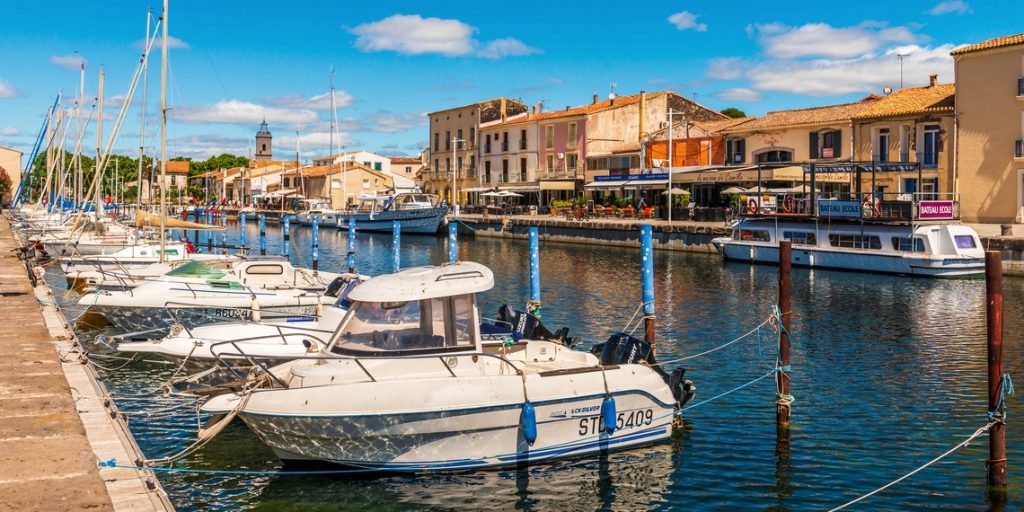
752	205
788	204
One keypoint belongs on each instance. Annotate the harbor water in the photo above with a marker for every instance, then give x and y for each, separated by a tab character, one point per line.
888	372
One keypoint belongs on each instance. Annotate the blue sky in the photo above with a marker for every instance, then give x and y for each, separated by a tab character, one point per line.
232	63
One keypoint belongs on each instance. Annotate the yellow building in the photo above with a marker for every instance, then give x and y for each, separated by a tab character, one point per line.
990	126
912	125
343	183
10	161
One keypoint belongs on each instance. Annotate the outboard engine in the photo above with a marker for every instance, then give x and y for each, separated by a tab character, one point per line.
340	288
527	326
683	390
622	348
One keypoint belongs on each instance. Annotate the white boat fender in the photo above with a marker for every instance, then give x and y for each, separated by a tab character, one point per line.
256	317
319	310
608	414
528	420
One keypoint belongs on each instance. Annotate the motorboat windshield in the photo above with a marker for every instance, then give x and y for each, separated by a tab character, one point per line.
434	325
413	202
197	269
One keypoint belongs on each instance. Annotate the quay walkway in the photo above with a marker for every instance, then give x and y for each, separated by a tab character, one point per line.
56	421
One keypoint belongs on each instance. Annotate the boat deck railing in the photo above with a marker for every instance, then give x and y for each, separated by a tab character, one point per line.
865	206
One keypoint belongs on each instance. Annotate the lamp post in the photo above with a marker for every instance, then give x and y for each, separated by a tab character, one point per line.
671	118
455	175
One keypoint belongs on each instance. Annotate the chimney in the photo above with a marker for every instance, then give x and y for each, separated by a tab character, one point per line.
643	115
933	80
540	107
503	107
595	99
567	108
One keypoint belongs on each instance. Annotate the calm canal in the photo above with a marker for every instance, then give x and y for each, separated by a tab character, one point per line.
888	372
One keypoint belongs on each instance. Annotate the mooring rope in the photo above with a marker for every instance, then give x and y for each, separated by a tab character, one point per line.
731	391
751	332
945	454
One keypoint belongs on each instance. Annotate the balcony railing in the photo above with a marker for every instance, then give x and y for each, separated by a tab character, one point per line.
1019	149
504	146
561	173
1020	87
522	144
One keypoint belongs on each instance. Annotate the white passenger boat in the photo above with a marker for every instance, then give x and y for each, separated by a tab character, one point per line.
415	212
257	289
408	384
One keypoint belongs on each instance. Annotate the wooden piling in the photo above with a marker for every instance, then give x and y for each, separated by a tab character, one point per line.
996	463
782	407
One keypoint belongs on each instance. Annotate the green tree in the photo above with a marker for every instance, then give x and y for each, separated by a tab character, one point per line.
5	184
733	112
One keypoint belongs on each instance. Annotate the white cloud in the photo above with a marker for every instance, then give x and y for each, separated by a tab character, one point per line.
242	112
950	6
822	39
414	34
7	90
312	143
318	102
685	20
725	68
172	44
385	121
506	47
862	74
73	61
206	145
741	94
9	130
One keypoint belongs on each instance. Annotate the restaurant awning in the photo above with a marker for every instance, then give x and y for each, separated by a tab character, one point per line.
478	189
627	184
520	188
792	173
558	185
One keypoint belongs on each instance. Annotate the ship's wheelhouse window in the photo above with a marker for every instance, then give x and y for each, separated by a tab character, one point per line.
855	241
753	235
800	237
266	269
387	328
907	244
965	241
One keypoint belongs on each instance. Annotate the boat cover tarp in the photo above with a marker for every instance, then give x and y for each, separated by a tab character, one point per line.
144	219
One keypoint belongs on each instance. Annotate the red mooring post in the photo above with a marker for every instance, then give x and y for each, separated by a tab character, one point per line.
996	463
782	406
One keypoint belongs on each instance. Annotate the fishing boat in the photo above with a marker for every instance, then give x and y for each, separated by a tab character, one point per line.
416	213
316	209
196	294
408	384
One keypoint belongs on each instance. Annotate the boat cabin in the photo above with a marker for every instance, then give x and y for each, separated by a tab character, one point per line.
403	201
417	311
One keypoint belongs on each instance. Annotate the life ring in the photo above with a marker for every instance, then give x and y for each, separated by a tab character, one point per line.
788	203
752	205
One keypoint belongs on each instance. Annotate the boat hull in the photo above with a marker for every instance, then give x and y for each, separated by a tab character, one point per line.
139	319
425	221
907	264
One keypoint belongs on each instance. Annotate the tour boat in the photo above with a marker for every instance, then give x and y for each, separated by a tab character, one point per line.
256	289
408	384
919	249
317	209
416	213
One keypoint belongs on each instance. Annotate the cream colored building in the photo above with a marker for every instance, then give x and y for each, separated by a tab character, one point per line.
990	128
342	183
10	161
912	125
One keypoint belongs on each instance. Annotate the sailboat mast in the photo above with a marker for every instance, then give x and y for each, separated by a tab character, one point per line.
142	121
81	127
163	137
330	151
98	179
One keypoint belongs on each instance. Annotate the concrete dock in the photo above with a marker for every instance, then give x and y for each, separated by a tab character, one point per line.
56	421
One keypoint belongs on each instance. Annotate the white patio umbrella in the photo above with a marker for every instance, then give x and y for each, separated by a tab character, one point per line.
508	193
675	191
734	190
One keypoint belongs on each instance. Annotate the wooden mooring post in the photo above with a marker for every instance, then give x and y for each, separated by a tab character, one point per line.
782	402
996	464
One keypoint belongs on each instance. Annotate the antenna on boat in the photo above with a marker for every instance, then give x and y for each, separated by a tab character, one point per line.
163	136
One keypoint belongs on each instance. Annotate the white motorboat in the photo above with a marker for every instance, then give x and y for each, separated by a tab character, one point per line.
317	209
407	384
115	276
416	212
98	238
140	255
254	289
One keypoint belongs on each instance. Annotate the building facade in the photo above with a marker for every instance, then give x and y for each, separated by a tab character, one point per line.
989	144
508	154
10	161
365	158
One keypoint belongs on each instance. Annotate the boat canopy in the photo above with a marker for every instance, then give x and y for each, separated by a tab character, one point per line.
427	282
198	269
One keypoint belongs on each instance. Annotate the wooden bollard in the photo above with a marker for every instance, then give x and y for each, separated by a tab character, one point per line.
996	464
782	407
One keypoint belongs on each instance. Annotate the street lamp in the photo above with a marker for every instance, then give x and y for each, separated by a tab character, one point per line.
454	174
671	119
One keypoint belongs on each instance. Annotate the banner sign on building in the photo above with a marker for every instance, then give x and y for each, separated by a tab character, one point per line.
837	208
877	167
633	177
935	210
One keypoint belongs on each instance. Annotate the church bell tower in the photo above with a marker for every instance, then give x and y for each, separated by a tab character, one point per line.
263	142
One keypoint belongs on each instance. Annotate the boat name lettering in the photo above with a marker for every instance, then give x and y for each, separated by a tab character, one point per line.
638	418
837	208
935	209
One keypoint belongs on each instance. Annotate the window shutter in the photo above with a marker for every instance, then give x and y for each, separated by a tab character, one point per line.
837	142
741	149
812	146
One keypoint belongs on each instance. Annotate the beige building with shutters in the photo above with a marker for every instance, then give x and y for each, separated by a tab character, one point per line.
10	161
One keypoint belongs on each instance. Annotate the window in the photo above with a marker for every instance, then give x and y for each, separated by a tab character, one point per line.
408	169
437	145
458	167
366	182
571	160
448	139
882	145
907	244
366	164
448	165
551	163
437	166
265	270
431	325
285	180
376	166
930	156
800	237
825	144
571	139
522	169
522	139
472	134
549	136
458	134
855	241
472	165
504	170
965	241
735	150
504	141
487	171
487	144
752	235
264	146
777	155
597	164
904	143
